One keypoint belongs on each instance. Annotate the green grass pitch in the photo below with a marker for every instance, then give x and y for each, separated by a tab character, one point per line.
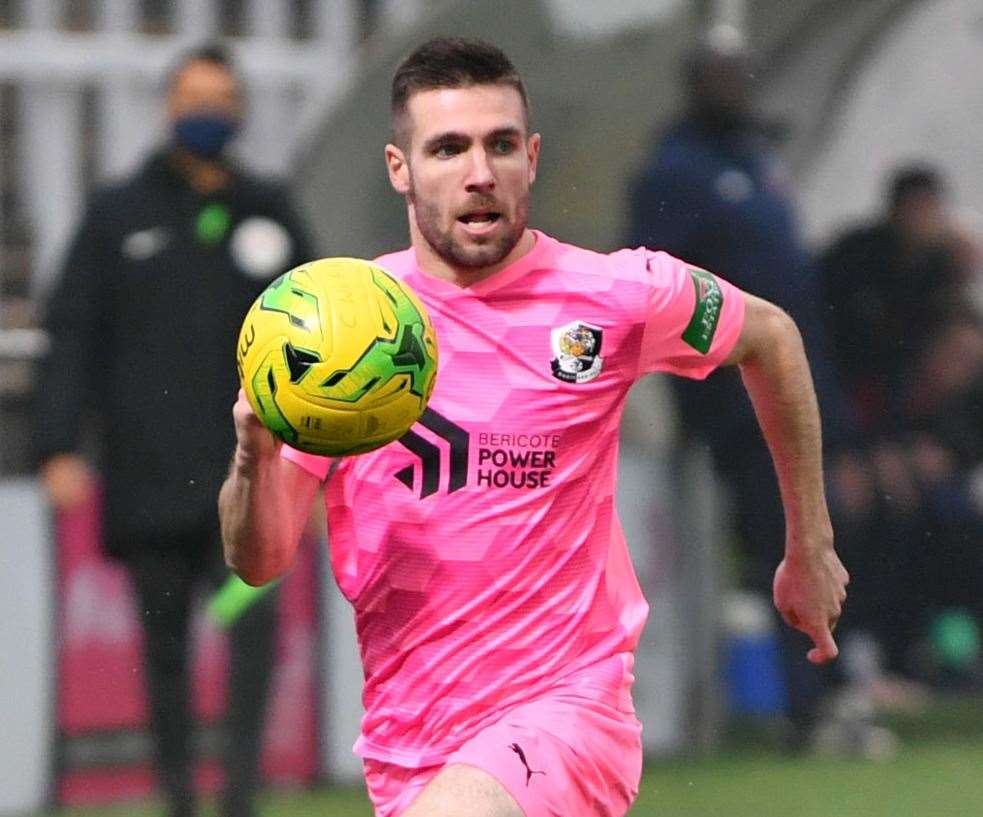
938	777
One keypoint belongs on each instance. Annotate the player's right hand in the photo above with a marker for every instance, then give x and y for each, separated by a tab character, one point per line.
809	591
69	481
254	441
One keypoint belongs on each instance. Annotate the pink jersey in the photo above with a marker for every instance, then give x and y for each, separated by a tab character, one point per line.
482	552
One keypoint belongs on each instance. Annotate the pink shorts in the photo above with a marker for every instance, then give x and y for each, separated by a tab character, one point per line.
562	755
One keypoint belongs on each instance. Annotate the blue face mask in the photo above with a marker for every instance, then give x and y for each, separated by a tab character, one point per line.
204	134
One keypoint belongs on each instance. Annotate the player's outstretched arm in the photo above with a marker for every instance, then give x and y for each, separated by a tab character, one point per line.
810	582
264	502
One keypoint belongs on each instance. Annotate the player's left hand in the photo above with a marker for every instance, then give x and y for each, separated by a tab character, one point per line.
809	590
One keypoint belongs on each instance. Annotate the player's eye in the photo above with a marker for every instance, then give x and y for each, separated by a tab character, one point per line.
504	146
446	150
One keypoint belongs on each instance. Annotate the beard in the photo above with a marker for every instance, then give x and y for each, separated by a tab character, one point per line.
478	252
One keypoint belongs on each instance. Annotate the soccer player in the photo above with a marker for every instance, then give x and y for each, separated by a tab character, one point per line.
496	607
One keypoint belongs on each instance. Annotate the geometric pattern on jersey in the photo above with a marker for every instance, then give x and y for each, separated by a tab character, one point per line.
480	579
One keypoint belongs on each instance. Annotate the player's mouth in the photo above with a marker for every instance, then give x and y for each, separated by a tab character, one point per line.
479	222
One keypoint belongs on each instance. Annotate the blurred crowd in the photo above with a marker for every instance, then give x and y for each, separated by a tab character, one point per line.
891	321
908	344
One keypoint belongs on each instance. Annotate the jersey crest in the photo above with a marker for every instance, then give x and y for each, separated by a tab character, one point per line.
576	352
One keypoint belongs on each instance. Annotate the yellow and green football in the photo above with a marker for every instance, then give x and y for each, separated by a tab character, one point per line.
337	357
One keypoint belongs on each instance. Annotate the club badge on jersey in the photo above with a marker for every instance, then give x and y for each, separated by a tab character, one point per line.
577	352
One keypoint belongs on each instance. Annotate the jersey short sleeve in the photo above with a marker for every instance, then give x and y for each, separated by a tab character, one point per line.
693	318
312	463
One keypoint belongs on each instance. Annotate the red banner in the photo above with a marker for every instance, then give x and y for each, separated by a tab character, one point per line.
101	703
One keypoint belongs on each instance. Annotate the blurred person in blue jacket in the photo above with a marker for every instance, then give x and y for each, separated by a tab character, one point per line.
714	193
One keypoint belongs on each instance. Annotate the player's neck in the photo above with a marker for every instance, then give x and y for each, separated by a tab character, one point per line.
435	265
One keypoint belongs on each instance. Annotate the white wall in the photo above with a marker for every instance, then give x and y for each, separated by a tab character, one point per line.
26	649
588	20
918	97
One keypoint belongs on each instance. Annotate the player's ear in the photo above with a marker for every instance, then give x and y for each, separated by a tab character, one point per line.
532	154
399	171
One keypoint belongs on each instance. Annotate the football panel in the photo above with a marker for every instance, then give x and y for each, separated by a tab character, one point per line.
264	391
294	295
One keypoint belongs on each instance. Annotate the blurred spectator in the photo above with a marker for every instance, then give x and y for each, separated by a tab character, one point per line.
143	324
886	285
943	411
715	194
909	342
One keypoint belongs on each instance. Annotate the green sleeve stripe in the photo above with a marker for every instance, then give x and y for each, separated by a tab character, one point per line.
706	312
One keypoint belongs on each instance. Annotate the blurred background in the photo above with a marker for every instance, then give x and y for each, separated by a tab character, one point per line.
844	158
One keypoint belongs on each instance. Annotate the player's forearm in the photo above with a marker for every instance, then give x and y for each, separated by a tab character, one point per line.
776	375
257	519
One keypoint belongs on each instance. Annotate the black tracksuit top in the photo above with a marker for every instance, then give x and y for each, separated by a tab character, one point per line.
144	323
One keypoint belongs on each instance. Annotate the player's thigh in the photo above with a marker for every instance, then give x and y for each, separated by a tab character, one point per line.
459	790
562	756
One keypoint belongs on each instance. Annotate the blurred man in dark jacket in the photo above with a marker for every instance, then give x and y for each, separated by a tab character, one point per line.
888	285
143	325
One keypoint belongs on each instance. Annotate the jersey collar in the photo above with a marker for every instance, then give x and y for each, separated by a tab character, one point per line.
505	276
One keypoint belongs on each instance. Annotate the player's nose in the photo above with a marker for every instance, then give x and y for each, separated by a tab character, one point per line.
480	175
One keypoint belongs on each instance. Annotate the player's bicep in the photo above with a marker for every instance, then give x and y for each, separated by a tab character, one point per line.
306	474
763	322
302	488
299	483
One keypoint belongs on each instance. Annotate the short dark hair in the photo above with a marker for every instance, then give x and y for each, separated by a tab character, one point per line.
452	62
214	53
914	178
